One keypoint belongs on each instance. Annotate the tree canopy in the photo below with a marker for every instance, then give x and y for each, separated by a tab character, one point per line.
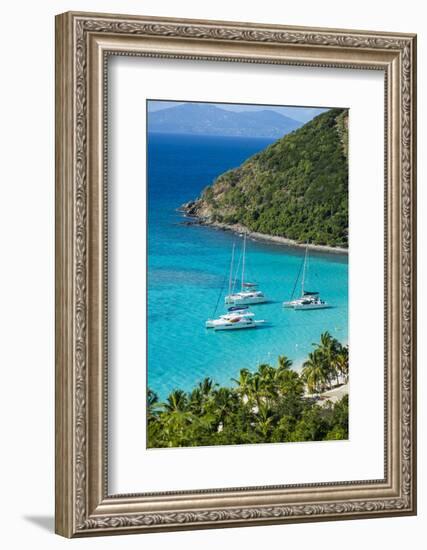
273	404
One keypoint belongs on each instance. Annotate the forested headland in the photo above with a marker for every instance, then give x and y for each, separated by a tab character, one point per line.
296	188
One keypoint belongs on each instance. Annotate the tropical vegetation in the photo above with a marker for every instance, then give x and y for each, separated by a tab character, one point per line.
273	404
296	188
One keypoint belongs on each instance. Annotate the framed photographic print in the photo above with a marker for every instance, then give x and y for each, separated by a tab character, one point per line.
235	274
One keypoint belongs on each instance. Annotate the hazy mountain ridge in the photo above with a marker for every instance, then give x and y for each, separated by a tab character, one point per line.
206	119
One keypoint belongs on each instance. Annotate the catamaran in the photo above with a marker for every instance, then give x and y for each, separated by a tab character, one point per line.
248	294
232	314
308	299
311	300
238	323
237	317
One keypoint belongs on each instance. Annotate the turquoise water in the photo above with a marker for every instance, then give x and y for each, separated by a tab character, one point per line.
188	270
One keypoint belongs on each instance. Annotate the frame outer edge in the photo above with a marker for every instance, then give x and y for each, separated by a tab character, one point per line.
153	19
64	275
414	270
73	402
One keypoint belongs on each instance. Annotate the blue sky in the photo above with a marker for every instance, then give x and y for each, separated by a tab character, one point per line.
303	114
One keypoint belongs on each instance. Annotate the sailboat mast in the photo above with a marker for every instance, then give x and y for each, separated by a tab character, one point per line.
243	261
230	282
303	272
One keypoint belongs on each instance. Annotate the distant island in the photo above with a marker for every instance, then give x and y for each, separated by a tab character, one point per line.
208	119
295	190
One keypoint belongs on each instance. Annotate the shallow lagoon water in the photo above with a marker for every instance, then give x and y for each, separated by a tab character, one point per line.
188	269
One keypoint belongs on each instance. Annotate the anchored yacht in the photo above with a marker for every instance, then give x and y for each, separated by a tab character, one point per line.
308	299
248	294
238	323
238	315
232	314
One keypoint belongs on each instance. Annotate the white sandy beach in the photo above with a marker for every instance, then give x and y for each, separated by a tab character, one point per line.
335	394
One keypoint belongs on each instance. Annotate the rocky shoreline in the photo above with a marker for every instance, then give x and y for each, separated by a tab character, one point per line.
193	219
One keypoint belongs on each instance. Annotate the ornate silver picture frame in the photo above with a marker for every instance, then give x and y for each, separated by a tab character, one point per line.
84	505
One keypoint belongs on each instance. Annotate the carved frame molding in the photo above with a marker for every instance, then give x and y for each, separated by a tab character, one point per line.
83	43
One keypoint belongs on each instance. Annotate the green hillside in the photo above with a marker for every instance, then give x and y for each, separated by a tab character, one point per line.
296	188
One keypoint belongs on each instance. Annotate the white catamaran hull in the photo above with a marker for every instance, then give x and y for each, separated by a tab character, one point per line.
235	326
291	304
300	307
244	300
308	300
223	319
238	326
248	294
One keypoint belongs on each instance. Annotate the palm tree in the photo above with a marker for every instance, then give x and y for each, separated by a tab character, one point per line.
152	399
152	405
176	402
328	348
267	375
176	417
290	384
243	383
282	372
264	419
266	371
224	403
252	411
341	363
205	391
255	390
313	372
283	363
206	386
196	401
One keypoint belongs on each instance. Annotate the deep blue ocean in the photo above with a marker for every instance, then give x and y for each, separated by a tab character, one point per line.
188	268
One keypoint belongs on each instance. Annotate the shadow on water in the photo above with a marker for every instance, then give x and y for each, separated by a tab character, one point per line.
264	326
311	310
